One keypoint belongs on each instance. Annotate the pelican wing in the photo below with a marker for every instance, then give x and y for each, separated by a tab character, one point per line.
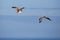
13	7
22	8
40	20
48	19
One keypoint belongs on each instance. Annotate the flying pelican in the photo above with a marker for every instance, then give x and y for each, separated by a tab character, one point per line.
40	19
19	10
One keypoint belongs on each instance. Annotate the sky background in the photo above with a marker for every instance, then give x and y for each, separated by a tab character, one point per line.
26	25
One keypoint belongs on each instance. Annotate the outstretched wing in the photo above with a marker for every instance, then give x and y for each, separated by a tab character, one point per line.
22	8
40	20
13	7
48	18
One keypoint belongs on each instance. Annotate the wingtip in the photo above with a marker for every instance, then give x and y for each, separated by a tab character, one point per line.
40	21
49	19
13	7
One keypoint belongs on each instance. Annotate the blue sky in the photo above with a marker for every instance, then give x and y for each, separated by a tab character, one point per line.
26	25
31	7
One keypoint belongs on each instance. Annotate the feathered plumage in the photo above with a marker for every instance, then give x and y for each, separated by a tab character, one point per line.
40	19
19	10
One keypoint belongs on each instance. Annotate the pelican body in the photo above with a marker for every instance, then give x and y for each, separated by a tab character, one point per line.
40	19
19	10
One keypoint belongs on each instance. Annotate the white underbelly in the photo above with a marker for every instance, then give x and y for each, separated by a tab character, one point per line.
19	12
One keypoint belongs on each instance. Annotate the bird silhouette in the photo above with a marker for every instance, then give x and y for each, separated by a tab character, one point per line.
19	10
41	18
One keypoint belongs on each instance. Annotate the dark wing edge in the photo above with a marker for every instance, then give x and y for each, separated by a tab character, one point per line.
48	19
40	20
22	7
13	7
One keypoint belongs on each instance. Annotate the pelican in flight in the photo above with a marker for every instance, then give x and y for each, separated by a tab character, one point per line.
40	19
19	10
